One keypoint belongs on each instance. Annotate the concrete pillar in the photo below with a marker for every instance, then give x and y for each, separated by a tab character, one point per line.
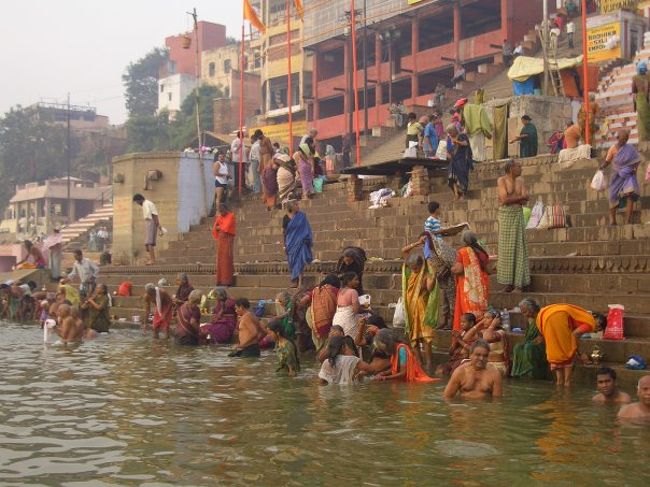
505	22
355	188
378	90
347	68
314	84
415	38
420	181
457	30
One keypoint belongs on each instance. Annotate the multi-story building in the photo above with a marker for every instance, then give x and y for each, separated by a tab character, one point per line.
177	78
274	48
82	118
172	91
410	47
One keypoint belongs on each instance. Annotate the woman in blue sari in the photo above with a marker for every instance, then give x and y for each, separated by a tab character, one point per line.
623	186
297	242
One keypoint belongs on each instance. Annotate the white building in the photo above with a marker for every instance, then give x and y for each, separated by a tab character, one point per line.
173	90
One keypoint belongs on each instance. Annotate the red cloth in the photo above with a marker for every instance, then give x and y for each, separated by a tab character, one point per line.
223	231
224	223
414	372
125	288
164	320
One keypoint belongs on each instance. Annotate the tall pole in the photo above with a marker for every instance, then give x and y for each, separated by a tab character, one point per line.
197	73
289	87
545	45
68	153
585	72
389	37
365	68
355	80
241	111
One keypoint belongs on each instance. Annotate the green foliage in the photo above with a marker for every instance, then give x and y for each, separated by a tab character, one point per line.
141	83
159	132
30	150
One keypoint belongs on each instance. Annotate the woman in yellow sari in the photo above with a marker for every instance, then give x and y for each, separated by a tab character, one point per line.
420	294
472	279
561	326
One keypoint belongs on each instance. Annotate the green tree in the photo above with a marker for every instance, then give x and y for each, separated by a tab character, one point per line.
141	83
30	150
182	131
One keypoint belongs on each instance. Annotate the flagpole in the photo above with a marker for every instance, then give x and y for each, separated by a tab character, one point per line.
241	109
289	87
585	72
353	26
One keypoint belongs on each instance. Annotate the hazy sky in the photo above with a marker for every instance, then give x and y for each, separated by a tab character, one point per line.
52	47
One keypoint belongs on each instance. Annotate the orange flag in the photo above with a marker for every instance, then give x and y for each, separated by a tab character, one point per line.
251	16
299	8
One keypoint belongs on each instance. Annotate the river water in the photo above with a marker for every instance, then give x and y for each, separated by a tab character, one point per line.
126	410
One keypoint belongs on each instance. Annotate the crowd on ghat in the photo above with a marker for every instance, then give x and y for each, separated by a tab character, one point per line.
443	288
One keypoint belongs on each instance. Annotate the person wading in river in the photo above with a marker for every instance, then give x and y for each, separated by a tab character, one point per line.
475	379
638	410
608	391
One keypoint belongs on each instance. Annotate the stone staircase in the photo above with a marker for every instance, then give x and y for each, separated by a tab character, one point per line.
588	264
74	233
616	102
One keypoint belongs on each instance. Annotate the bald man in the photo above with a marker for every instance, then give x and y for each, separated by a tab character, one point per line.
68	328
638	410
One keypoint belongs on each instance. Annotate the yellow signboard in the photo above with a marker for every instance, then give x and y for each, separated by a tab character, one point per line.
280	132
607	6
413	2
599	42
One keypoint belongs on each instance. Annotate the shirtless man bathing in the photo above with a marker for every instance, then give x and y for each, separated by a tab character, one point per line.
608	391
475	379
638	411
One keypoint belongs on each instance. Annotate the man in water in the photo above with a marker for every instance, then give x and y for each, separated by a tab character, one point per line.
608	391
87	272
68	329
638	410
250	331
475	379
512	265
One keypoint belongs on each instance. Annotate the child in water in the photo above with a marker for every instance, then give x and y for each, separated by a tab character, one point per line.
285	348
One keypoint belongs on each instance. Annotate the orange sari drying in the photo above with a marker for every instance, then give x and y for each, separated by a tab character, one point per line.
223	231
414	372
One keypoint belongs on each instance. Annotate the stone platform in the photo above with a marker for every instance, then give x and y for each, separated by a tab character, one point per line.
589	264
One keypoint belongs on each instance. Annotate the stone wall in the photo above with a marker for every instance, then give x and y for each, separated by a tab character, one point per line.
548	113
183	197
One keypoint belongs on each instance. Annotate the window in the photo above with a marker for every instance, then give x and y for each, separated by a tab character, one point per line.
211	70
169	96
162	88
227	66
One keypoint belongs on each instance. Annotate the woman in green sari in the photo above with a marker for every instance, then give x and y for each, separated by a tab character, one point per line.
420	295
98	307
529	358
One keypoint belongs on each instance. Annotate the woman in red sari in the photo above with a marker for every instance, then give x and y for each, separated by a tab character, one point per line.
224	232
472	279
404	365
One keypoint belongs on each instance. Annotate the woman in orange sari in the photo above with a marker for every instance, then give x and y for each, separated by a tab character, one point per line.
561	325
223	232
403	363
323	308
472	279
